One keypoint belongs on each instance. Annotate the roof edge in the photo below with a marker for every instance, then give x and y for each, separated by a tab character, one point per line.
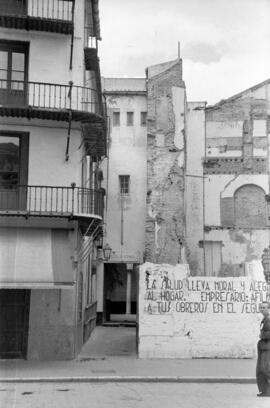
239	94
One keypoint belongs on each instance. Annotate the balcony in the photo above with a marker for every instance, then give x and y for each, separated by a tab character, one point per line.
73	203
39	15
49	101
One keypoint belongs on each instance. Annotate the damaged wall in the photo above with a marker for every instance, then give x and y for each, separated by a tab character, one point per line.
238	246
236	183
195	186
165	224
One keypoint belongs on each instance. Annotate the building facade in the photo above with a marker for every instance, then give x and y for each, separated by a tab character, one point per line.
52	139
228	195
207	177
125	181
205	214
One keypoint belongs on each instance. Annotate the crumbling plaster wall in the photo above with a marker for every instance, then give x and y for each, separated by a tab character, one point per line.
223	186
165	224
239	246
241	125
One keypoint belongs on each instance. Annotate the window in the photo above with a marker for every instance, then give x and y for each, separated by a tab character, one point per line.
130	118
124	182
13	72
143	118
116	118
13	169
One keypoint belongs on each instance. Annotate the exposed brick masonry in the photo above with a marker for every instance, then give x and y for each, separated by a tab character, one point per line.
165	178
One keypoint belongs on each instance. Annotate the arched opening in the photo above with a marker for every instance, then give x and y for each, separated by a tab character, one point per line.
250	207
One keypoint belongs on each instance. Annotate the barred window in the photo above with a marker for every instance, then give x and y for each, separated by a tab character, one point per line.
124	184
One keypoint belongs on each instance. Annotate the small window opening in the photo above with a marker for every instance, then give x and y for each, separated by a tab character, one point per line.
124	184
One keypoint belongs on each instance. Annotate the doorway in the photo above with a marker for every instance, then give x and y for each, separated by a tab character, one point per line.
120	292
213	257
13	73
14	317
13	170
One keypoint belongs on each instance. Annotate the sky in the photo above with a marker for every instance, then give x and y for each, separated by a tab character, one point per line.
224	44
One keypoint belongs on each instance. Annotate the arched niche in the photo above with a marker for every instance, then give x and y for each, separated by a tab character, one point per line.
250	208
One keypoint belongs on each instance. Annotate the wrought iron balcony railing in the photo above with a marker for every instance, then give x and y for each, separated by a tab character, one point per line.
39	15
46	96
48	9
52	201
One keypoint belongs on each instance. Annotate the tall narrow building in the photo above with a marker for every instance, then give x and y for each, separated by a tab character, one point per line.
52	139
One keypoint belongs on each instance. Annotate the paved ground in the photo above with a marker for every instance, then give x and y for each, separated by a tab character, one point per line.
110	355
110	341
130	395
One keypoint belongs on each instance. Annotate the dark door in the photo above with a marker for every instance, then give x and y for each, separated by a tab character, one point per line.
13	170
13	7
14	315
13	73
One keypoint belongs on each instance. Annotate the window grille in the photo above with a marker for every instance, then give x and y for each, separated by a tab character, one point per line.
124	183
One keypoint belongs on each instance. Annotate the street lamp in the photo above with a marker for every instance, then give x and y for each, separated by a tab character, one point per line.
107	252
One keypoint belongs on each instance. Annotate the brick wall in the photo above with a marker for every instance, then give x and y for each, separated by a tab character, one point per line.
165	163
234	165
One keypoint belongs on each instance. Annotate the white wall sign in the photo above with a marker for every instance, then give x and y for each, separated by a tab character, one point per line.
182	316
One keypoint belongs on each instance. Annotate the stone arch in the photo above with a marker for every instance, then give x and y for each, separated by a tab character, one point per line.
250	208
242	179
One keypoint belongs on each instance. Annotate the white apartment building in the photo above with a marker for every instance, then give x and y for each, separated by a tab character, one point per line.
125	177
52	139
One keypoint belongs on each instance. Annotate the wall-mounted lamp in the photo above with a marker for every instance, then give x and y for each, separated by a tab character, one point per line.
107	250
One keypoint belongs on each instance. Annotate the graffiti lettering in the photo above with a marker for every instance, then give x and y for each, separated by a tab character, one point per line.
166	296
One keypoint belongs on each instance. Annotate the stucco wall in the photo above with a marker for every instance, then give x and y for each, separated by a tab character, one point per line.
184	317
47	146
51	325
127	156
52	315
49	53
194	182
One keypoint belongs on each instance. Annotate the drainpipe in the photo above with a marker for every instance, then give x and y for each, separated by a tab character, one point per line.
122	219
72	37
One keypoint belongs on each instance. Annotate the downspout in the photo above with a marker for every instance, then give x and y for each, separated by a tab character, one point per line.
122	218
204	258
107	154
72	37
69	119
